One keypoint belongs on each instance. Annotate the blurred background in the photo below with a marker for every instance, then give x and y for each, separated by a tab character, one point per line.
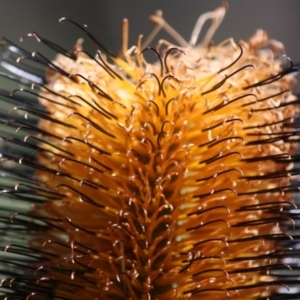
280	18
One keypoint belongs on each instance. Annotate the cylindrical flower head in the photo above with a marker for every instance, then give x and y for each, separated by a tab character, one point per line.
170	180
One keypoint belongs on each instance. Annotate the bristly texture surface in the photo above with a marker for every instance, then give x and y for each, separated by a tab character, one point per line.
173	180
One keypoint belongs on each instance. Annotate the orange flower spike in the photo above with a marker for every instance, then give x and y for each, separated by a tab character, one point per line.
174	177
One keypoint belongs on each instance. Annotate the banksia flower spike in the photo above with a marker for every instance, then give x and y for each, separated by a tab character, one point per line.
172	180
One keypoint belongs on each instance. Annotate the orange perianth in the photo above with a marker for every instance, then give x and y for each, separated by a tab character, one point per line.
169	183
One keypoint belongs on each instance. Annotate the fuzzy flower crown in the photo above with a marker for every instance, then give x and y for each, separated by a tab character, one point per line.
172	180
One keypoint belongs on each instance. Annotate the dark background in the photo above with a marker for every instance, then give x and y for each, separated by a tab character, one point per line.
280	18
